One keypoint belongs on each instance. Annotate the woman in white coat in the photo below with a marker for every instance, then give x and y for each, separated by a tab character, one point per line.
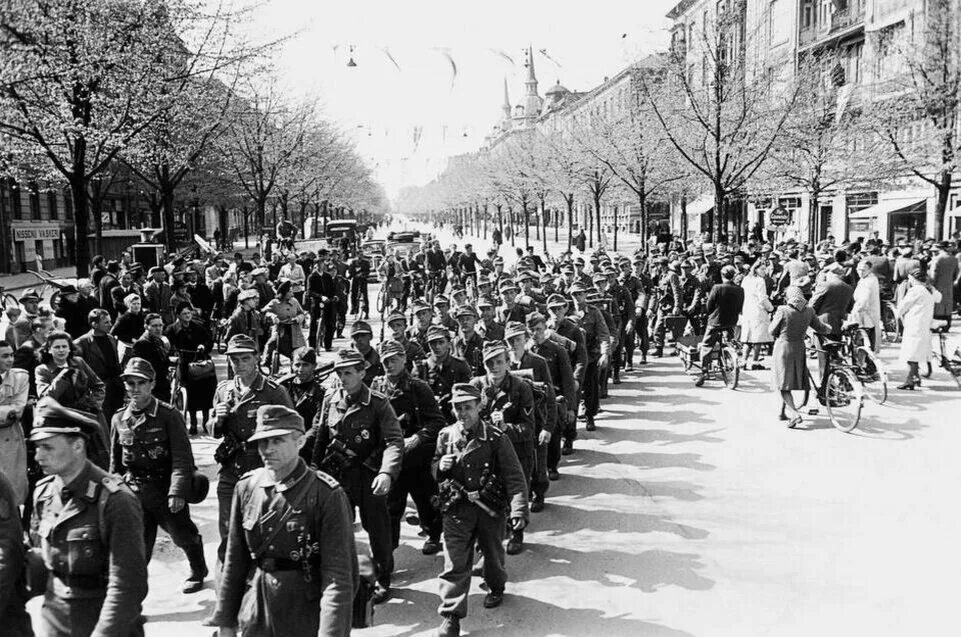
867	304
916	310
755	318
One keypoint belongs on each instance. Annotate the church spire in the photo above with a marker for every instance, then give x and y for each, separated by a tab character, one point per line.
531	78
507	101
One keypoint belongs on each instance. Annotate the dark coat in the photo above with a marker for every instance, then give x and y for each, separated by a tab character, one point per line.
832	301
724	305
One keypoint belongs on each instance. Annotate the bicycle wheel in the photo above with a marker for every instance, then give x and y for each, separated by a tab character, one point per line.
890	324
872	373
730	370
179	400
844	399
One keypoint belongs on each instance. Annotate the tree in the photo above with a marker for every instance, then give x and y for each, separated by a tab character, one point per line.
565	170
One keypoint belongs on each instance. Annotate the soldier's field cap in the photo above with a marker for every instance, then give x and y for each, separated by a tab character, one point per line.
419	306
248	294
437	333
305	355
534	318
458	291
599	276
50	418
391	348
440	299
396	316
276	420
567	268
492	349
578	288
483	279
507	286
556	300
484	302
498	261
464	392
139	368
514	328
349	357
465	310
258	271
241	344
547	277
360	327
29	295
579	261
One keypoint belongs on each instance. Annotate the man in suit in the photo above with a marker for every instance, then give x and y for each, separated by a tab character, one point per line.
157	295
724	305
99	349
832	301
943	272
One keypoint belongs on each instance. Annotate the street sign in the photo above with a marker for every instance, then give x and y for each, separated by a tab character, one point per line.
780	216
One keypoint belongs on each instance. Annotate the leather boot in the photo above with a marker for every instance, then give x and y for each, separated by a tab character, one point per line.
198	567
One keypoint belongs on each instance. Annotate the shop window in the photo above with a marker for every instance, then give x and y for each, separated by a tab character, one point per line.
34	196
52	203
38	248
16	205
861	200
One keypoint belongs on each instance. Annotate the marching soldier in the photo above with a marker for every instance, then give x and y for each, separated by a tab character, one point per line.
488	327
562	377
361	335
88	526
483	489
468	344
360	443
444	370
234	413
508	403
292	525
305	389
397	324
13	596
597	341
442	313
669	300
510	310
568	328
422	321
151	450
420	421
622	309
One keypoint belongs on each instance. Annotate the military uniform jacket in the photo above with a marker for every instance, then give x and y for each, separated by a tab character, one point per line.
596	332
490	331
514	399
622	304
249	322
152	446
374	367
413	352
569	329
241	417
11	558
315	541
507	314
471	351
368	427
419	336
486	450
547	419
669	293
93	549
559	366
417	412
441	378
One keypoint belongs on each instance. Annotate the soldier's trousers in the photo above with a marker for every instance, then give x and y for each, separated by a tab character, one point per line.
638	338
76	618
358	291
179	526
418	482
539	480
374	517
225	495
553	453
527	453
464	526
591	388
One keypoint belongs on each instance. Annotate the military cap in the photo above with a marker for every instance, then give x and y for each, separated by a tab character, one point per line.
395	316
276	420
547	277
498	261
360	327
241	344
534	318
599	276
464	392
493	348
437	333
305	355
556	300
391	348
507	285
514	328
349	357
484	302
708	248
578	288
526	275
567	269
440	299
139	368
579	261
457	291
483	279
50	418
30	294
258	272
419	306
247	295
465	310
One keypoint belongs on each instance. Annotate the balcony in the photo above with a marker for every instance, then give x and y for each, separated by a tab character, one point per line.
841	23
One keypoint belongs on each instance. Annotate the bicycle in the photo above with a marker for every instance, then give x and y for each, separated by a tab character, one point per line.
178	393
724	358
890	323
870	371
840	391
952	363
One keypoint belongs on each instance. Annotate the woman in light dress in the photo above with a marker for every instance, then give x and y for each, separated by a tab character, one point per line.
756	314
916	311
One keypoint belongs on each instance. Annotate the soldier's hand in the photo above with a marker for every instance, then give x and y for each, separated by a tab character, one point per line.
411	442
447	462
381	484
518	524
175	503
543	438
220	411
603	361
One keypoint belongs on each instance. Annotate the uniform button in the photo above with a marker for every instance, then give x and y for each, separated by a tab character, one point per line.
270	548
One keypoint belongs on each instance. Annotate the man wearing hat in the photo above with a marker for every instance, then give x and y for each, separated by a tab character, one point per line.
321	299
568	328
293	527
88	527
72	312
151	450
509	309
442	313
247	318
420	422
548	346
157	295
468	454
397	323
422	315
444	370
234	418
597	341
19	331
260	284
468	344
359	441
507	401
487	326
361	335
305	389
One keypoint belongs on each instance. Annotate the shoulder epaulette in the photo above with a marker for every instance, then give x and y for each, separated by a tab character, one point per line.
327	479
494	432
270	382
377	394
161	403
112	483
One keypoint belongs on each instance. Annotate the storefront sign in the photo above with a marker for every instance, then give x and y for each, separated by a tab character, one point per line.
27	234
780	216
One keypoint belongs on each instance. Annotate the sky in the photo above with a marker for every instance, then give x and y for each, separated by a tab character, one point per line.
409	113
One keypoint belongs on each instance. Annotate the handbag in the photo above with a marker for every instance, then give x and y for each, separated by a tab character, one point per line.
200	370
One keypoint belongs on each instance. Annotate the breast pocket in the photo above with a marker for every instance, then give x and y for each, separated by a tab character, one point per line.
85	551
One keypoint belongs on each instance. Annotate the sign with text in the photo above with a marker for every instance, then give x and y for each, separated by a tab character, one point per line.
780	216
27	234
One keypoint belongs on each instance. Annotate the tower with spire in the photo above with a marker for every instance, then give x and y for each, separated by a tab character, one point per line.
532	102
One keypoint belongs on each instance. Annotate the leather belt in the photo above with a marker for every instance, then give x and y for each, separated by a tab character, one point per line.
274	564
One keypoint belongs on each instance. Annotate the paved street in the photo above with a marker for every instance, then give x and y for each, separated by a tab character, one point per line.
695	512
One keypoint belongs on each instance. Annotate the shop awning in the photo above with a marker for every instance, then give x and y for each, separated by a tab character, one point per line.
700	206
886	208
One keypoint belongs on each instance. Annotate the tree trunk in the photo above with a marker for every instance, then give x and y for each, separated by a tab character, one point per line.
716	215
527	224
246	228
590	228
943	190
167	216
813	215
81	219
684	217
544	222
615	228
569	200
642	202
557	222
597	213
510	224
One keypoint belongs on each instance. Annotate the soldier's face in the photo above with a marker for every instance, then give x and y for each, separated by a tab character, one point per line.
395	365
439	346
58	454
468	412
6	359
362	342
139	390
496	366
539	332
466	323
304	370
423	318
243	363
351	378
280	452
398	327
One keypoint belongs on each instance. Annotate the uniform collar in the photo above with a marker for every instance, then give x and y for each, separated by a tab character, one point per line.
479	434
299	470
149	410
83	486
257	385
363	397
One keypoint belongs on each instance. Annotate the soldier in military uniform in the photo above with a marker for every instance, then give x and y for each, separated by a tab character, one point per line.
509	309
562	376
669	300
488	327
597	342
442	313
568	328
13	596
468	344
508	402
234	414
622	309
305	389
397	324
444	370
292	525
360	443
88	526
420	421
151	450
422	315
474	458
361	335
